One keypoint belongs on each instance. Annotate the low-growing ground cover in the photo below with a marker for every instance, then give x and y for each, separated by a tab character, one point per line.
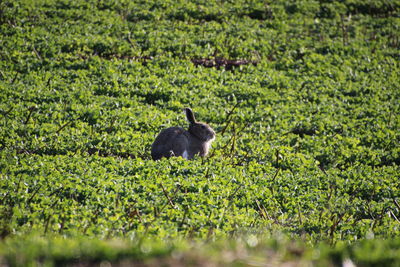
303	95
246	250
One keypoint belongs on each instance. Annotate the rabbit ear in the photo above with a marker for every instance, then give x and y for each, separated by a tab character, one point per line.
190	115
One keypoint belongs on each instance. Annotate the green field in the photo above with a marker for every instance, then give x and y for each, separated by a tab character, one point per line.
304	97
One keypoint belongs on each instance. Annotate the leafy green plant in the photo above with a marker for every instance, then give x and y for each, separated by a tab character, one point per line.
307	127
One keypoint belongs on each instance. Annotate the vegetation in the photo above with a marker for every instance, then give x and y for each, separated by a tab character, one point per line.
304	96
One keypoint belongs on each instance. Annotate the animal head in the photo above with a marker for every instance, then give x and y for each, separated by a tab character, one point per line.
199	129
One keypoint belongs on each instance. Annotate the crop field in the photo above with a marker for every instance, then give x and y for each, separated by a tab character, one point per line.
304	97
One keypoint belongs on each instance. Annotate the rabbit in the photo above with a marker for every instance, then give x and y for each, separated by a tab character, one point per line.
176	141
